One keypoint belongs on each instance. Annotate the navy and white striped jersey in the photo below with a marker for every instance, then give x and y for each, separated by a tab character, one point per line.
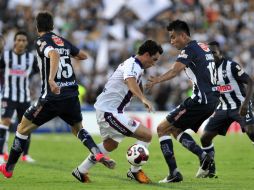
65	77
16	71
231	80
201	70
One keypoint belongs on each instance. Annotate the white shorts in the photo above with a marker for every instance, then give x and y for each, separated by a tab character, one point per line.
115	125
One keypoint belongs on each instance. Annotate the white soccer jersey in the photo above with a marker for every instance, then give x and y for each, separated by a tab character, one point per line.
116	94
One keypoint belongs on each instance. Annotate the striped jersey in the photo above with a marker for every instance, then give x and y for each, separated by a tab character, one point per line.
201	70
16	71
231	80
65	77
116	94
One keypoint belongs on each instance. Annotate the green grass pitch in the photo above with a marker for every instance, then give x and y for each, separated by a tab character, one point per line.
57	154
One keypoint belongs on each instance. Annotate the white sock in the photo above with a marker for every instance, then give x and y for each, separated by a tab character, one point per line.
85	166
135	168
6	149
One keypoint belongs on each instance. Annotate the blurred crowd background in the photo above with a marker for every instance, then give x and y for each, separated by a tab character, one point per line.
111	30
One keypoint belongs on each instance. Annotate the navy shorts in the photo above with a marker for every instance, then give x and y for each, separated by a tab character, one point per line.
222	119
190	114
44	110
8	107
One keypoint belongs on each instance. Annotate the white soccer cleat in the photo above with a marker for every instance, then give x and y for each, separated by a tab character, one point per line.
27	158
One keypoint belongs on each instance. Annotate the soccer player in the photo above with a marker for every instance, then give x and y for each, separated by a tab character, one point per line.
197	61
110	104
59	93
235	104
17	66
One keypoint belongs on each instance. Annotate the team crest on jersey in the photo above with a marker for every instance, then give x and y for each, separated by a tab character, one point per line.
204	46
58	41
183	54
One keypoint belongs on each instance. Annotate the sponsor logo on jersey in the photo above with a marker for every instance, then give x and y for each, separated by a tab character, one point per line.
132	123
204	47
57	40
224	88
17	72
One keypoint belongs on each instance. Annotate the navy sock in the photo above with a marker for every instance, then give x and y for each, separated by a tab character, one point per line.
168	153
188	142
88	141
26	148
209	150
2	139
16	150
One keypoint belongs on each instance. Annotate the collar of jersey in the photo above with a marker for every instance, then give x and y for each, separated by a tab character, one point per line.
138	62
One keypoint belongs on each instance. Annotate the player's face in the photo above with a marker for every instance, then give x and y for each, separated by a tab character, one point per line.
216	53
177	39
151	60
20	43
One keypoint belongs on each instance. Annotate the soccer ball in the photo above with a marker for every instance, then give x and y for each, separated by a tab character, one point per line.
137	155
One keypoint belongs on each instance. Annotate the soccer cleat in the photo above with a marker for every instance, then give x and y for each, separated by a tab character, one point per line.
6	156
203	170
4	172
27	158
83	178
212	171
172	178
106	161
139	176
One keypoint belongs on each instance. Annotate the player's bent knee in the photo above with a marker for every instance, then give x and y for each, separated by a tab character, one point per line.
6	121
110	145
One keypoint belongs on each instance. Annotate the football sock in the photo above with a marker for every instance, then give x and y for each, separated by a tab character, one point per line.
3	131
88	141
166	145
188	142
209	150
26	148
135	169
90	160
6	149
16	150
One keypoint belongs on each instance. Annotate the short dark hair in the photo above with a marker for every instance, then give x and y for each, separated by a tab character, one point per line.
44	21
151	47
214	43
179	26
20	33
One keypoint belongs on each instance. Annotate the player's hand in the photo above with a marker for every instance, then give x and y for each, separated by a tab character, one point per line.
53	87
243	109
152	81
148	105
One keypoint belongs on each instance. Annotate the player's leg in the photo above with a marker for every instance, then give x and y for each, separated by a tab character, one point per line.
20	140
7	111
81	172
22	107
250	132
166	145
144	137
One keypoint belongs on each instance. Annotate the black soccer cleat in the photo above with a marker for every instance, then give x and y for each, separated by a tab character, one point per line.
83	178
205	165
172	178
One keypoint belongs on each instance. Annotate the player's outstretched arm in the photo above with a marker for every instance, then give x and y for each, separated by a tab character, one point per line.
54	62
172	72
135	89
249	92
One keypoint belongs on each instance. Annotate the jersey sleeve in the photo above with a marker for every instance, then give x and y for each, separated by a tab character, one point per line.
44	46
74	50
186	56
239	73
132	70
